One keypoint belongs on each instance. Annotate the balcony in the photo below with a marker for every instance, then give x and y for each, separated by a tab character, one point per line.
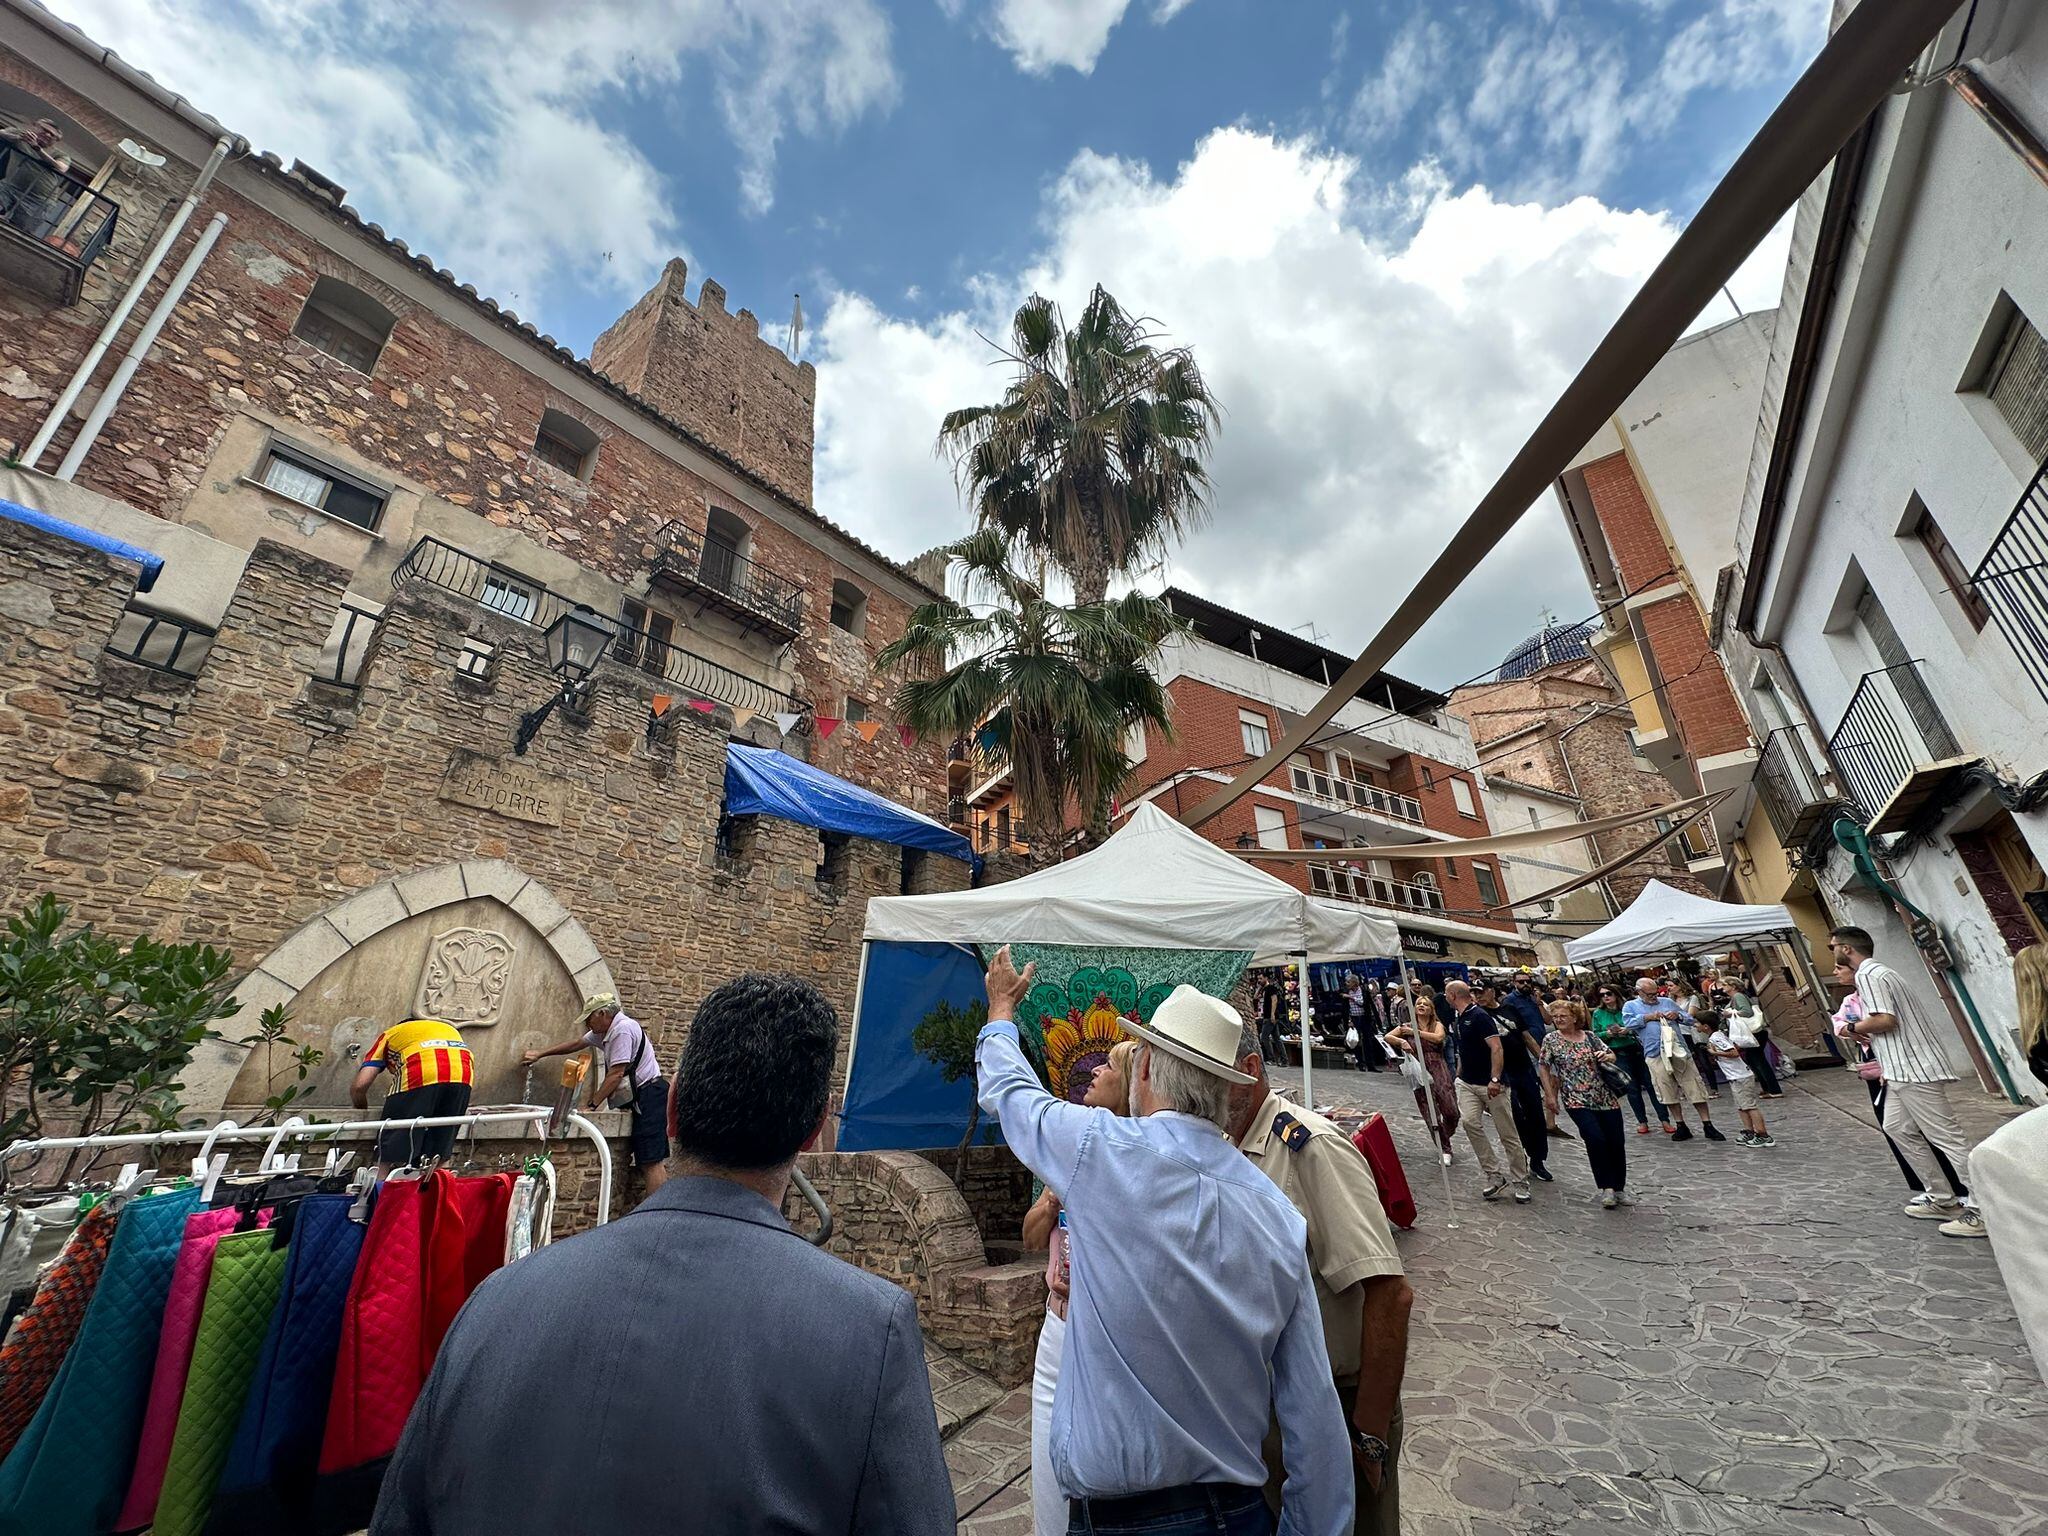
434	563
1894	749
1000	834
1341	884
1347	797
1790	787
718	576
53	225
2012	580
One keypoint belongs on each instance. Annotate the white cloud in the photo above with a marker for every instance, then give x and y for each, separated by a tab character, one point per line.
1045	35
488	134
1373	383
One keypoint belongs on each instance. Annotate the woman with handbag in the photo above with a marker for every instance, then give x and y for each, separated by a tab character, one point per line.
1428	1071
1590	1082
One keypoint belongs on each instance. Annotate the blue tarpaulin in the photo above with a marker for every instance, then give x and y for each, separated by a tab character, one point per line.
763	782
895	1098
91	538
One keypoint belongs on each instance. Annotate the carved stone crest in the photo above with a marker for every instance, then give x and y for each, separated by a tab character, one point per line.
465	977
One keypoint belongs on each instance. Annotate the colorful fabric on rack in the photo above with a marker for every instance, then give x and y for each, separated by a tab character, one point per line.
183	1303
480	1204
30	1359
267	1485
93	1411
240	1297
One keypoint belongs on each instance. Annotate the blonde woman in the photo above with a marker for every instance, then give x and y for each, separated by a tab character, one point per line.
1109	1088
1425	1039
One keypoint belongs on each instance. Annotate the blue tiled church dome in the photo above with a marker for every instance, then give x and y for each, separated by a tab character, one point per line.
1550	645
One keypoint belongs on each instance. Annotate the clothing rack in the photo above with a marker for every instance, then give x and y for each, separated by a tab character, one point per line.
275	1135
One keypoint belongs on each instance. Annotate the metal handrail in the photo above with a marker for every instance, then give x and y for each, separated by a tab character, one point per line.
1374	890
702	676
1787	780
1880	742
77	224
1345	794
147	652
716	565
349	657
2012	579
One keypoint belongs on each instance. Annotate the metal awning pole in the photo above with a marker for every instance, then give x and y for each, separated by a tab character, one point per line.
1303	992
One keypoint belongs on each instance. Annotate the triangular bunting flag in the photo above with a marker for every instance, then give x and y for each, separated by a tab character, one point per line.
786	723
826	725
740	717
702	706
905	735
868	729
660	703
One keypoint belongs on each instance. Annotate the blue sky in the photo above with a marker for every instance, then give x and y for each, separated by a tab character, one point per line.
1390	231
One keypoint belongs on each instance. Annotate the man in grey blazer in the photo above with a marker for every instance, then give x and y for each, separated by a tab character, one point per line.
694	1367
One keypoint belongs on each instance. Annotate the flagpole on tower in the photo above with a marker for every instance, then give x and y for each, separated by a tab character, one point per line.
796	329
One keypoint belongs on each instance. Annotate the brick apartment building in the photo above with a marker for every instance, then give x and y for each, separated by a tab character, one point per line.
1393	767
373	491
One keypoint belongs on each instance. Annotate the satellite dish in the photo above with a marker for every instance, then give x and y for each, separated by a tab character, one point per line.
140	154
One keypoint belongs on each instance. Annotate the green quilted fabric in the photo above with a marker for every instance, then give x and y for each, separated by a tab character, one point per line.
247	1271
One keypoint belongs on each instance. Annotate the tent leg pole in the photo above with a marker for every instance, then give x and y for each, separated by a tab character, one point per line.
1303	991
860	988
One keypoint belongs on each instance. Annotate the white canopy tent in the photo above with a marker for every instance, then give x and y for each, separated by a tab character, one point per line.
1154	884
1664	920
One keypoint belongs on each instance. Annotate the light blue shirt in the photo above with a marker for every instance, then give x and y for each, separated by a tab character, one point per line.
1648	1022
1192	1321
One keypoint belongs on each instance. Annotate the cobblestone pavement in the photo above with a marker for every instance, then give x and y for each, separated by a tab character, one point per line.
1763	1344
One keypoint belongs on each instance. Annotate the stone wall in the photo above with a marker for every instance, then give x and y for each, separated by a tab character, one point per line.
248	806
997	1189
897	1216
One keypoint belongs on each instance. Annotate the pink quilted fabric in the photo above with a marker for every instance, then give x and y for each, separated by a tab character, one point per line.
173	1358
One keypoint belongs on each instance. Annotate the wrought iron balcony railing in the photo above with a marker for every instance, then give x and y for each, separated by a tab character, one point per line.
442	565
57	211
1341	884
1346	795
161	642
1790	786
1891	729
744	589
2012	580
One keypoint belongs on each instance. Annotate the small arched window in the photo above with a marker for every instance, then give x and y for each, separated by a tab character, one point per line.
849	608
345	323
566	443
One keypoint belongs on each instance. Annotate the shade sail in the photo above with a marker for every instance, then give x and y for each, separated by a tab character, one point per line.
1154	884
762	782
91	538
1664	920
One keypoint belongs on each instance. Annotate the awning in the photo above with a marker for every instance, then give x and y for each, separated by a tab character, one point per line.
1664	921
151	564
762	782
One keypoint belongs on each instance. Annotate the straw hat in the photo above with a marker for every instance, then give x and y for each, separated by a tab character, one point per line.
1197	1028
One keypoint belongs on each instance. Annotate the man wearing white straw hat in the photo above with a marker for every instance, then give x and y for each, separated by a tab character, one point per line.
1192	1320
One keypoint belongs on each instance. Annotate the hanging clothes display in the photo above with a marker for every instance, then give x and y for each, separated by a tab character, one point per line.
30	1359
183	1303
241	1294
92	1414
267	1484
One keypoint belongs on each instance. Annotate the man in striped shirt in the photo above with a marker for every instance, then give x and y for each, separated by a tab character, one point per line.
431	1073
1917	1114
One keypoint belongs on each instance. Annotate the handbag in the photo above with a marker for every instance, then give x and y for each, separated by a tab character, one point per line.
1618	1082
1740	1035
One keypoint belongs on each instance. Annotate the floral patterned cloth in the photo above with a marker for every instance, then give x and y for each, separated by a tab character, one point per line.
1572	1067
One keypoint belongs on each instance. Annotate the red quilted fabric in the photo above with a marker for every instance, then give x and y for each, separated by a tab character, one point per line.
1377	1143
29	1360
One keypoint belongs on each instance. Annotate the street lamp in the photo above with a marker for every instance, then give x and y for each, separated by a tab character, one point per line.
575	642
1246	840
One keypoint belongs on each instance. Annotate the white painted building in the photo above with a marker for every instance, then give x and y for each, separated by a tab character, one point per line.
1891	610
1527	873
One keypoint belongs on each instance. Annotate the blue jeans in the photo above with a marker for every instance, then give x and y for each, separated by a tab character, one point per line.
1240	1512
1629	1053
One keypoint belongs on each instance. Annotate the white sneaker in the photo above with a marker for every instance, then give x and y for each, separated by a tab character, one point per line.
1609	1199
1446	1157
1968	1223
1928	1208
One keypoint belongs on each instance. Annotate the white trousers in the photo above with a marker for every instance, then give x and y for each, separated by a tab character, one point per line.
1919	1117
1048	1504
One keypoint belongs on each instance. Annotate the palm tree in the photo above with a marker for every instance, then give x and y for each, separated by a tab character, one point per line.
1050	690
1093	459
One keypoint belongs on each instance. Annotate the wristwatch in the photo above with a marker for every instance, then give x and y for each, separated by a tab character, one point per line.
1371	1447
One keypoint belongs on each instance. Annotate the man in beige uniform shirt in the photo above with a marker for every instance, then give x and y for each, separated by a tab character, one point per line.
1360	1285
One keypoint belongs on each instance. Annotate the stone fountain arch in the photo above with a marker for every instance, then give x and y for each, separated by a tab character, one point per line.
367	918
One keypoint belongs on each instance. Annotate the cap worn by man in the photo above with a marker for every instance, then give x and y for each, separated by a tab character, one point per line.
1360	1285
701	1366
1191	1322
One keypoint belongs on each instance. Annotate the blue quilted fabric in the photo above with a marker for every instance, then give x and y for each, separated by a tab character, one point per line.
267	1485
67	1474
241	1295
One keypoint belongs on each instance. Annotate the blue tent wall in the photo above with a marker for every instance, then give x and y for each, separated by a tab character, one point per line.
761	782
895	1099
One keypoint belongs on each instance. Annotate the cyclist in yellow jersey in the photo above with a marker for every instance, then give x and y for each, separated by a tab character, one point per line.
431	1072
